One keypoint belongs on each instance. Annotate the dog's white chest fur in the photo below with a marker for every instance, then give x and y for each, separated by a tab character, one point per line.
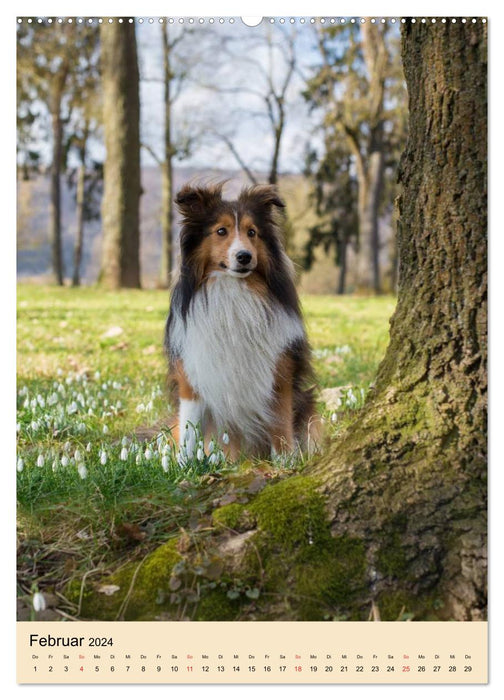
230	346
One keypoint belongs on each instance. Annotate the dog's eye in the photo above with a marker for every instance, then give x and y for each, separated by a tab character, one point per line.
221	231
251	233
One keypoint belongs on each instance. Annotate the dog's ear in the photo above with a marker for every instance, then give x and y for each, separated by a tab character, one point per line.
265	196
197	201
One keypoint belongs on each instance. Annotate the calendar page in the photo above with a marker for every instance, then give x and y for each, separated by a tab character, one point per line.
251	350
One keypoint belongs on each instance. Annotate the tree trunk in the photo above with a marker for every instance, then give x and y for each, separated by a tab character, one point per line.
57	136
342	258
122	189
409	477
167	172
370	179
79	233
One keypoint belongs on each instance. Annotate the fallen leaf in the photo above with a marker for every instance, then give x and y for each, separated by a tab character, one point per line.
109	589
133	531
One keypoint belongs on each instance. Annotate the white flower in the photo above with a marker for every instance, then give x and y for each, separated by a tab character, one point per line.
73	408
103	457
18	427
165	462
124	454
78	456
124	441
82	470
225	439
105	429
65	461
138	459
67	446
55	464
89	447
200	455
213	459
38	602
147	453
140	408
334	417
40	400
211	447
40	461
34	425
149	406
20	465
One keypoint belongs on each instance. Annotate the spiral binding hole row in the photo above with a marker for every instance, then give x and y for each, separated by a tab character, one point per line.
232	20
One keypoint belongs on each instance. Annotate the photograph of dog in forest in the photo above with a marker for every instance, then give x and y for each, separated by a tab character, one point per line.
252	319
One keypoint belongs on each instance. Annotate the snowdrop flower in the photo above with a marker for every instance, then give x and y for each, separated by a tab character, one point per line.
211	447
149	406
138	459
52	399
200	455
165	462
334	417
105	429
147	453
55	465
34	425
78	456
67	446
140	408
65	461
124	441
73	408
213	459
103	457
38	602
225	439
82	470
124	454
40	401
89	447
20	465
40	461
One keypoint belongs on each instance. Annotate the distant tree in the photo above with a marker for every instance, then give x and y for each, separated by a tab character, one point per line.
120	265
48	58
358	88
176	70
334	195
83	126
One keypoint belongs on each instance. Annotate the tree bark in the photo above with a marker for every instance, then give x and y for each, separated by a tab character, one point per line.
409	476
122	189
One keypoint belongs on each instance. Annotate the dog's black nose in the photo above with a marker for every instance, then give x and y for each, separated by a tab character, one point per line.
243	257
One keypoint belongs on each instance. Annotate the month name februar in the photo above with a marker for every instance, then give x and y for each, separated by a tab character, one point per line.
50	641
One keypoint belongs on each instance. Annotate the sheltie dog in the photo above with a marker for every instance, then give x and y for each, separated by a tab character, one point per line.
235	336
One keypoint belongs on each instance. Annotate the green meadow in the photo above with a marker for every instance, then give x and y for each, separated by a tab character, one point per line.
99	482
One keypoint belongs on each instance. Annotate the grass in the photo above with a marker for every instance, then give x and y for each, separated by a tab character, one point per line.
98	475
